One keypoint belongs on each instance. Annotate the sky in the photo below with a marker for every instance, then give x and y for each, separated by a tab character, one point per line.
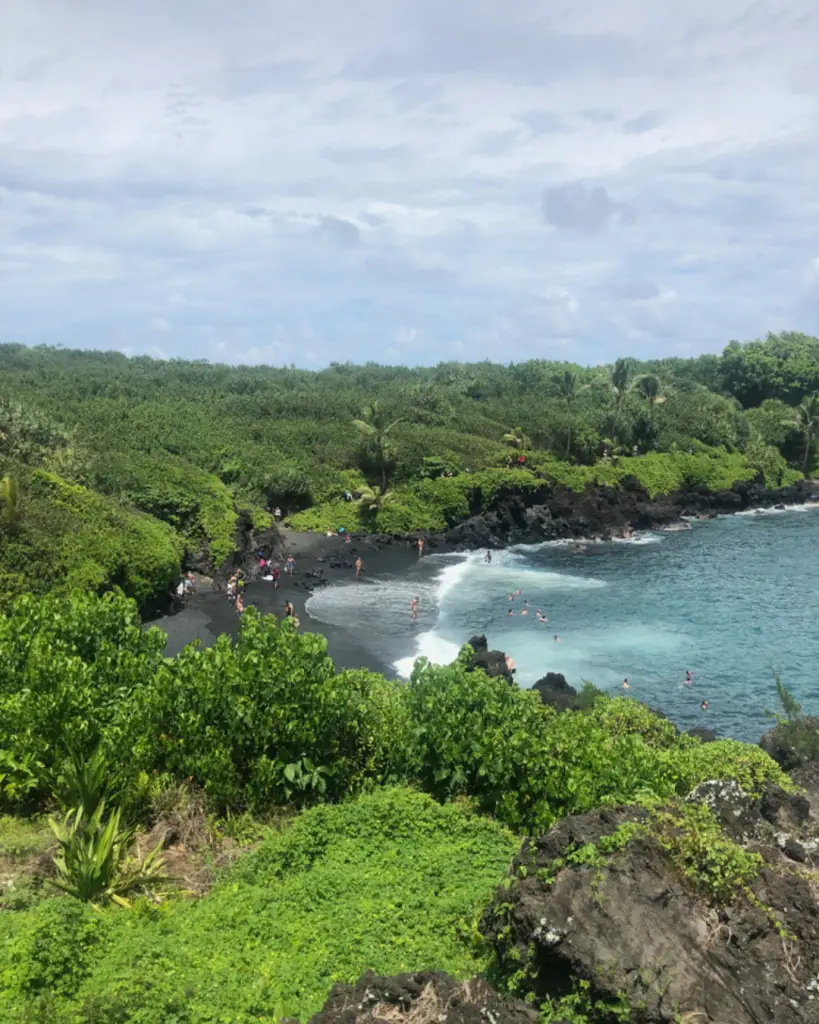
407	181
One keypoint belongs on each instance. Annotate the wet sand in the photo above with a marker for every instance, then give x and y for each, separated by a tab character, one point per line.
208	613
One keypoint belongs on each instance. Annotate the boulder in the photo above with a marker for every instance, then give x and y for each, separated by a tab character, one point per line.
700	732
556	692
630	925
426	997
493	663
479	642
793	744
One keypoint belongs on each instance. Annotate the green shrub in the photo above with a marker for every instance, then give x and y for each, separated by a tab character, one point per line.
392	882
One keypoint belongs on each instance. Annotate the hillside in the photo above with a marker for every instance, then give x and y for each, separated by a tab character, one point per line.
162	462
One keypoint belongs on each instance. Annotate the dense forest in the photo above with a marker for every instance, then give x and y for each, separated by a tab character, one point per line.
221	836
115	470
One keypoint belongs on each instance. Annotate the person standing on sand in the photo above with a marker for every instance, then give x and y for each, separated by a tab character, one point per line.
358	567
289	611
420	546
488	558
414	608
276	577
240	605
290	565
277	512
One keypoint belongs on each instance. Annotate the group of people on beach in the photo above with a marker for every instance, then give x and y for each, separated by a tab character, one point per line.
185	588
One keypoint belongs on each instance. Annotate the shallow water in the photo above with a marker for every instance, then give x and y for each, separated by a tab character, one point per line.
730	600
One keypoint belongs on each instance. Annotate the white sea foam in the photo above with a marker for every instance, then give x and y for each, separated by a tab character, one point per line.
432	646
506	573
808	506
640	538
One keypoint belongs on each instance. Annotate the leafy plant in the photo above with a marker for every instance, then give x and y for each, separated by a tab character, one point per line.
95	862
303	779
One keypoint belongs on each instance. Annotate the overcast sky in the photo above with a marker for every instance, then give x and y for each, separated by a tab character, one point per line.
408	180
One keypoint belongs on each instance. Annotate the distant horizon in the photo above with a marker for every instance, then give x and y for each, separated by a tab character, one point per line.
407	181
371	362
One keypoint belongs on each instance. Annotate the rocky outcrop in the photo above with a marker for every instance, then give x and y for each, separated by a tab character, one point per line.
556	692
793	744
632	926
493	663
427	997
550	513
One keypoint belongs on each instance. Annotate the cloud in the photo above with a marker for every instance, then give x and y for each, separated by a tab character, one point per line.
341	231
580	207
245	170
644	123
544	122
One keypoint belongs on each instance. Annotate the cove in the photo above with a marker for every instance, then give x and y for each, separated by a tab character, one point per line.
730	599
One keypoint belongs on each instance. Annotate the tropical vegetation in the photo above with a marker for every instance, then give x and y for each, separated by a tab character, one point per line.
116	471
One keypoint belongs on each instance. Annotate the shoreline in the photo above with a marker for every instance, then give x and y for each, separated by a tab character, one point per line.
209	614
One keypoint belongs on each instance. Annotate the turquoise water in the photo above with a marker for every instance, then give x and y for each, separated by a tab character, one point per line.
729	599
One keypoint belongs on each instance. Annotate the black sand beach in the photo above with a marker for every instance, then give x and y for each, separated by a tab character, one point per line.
209	613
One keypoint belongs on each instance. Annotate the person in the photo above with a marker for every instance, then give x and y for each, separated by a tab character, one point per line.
525	609
240	607
358	568
180	591
704	705
688	680
510	612
625	684
290	566
510	664
231	588
276	575
277	512
488	555
420	546
289	610
557	639
414	607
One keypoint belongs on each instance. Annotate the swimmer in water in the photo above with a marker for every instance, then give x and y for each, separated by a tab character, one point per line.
688	680
510	612
525	609
704	705
625	684
414	607
557	639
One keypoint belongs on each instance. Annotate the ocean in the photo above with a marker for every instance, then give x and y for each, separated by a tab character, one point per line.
731	600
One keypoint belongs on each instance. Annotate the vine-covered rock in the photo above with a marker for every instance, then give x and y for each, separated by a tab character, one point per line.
426	997
657	916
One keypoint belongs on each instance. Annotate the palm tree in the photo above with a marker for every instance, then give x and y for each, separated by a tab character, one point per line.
621	382
806	421
568	388
9	495
650	388
517	439
373	499
375	425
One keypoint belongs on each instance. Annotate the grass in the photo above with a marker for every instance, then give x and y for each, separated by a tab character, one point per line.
392	881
